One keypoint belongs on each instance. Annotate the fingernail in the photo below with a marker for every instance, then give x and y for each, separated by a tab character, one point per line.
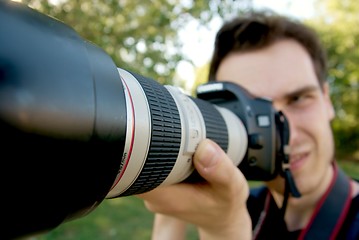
208	156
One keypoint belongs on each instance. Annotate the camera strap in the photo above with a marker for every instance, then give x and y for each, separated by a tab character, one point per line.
326	220
331	210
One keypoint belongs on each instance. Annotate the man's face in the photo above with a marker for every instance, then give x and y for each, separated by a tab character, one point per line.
284	73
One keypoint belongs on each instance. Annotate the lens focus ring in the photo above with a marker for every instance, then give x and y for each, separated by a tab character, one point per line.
165	137
216	128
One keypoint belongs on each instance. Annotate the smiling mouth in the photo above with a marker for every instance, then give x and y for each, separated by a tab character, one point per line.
297	160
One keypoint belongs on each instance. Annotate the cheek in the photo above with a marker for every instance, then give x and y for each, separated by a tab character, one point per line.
319	115
313	121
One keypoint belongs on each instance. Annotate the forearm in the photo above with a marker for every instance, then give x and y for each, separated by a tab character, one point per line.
240	229
166	227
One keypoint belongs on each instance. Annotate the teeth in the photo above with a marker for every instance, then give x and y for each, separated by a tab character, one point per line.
294	158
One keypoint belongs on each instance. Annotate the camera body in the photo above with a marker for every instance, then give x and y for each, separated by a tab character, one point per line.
267	129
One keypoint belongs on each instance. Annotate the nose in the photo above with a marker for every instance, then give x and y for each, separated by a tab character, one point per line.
293	128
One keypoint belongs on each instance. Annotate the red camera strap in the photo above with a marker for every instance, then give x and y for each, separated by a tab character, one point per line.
328	216
331	210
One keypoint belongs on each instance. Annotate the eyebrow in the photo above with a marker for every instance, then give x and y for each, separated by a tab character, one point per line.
302	90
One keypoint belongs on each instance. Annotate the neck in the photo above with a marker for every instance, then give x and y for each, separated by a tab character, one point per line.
300	210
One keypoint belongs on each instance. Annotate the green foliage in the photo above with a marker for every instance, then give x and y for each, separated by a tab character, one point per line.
351	168
140	36
201	76
336	24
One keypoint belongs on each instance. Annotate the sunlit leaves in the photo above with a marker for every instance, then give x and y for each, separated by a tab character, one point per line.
337	23
141	36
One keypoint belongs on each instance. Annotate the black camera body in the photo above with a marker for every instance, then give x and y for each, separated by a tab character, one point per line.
267	129
76	129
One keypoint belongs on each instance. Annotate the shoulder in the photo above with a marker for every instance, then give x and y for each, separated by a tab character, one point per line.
350	228
354	207
257	194
353	219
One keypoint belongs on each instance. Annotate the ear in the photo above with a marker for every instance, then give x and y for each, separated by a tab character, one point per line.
328	101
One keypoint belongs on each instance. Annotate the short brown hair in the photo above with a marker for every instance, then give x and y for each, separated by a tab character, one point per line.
259	29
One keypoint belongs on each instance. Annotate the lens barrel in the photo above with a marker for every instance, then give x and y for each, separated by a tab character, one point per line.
164	128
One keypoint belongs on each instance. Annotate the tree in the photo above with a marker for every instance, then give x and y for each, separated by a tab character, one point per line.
140	36
336	22
201	76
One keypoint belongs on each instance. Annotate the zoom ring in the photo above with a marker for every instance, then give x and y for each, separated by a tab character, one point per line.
216	128
165	139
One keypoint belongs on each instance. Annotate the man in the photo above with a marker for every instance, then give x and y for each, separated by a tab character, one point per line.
280	59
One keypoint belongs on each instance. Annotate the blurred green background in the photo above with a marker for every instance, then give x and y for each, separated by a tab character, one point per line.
143	36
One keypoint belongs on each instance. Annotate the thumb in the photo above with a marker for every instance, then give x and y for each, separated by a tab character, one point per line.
213	164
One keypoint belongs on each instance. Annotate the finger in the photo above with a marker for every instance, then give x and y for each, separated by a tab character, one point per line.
216	167
169	200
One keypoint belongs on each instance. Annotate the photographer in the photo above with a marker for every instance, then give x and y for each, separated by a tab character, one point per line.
76	130
280	59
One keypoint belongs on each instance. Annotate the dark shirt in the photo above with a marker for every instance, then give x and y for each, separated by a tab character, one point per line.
274	227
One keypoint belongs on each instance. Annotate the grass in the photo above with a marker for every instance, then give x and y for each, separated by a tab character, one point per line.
120	218
126	218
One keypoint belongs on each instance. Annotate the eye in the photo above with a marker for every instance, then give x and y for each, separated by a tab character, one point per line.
300	99
295	98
